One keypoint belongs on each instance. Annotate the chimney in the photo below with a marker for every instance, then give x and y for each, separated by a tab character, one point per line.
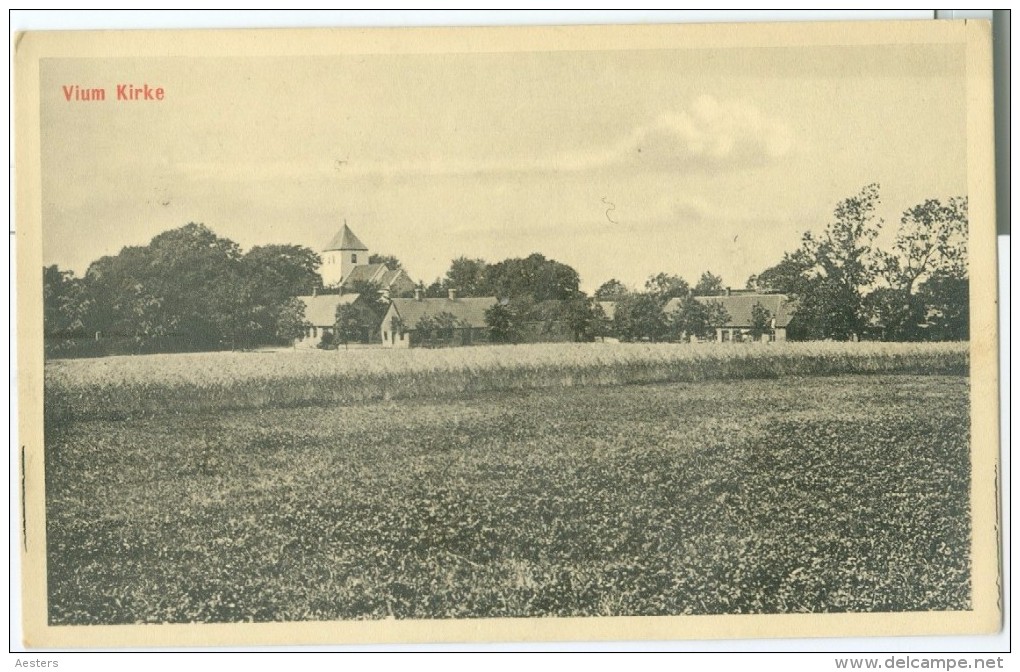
417	294
728	291
453	294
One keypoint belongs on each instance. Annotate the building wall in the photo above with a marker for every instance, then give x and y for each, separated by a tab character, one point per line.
311	339
351	258
331	269
391	338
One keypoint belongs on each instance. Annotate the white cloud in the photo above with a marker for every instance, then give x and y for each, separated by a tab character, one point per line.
708	134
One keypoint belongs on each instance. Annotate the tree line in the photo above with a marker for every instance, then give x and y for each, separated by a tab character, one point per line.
846	287
189	289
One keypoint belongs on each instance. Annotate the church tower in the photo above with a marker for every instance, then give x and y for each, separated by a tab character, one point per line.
341	255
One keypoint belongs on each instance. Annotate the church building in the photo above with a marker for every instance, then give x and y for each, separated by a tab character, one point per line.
345	262
344	266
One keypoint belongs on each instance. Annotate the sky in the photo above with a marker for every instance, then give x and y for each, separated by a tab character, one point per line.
620	163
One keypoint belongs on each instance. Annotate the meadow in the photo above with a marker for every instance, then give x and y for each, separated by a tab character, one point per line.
557	492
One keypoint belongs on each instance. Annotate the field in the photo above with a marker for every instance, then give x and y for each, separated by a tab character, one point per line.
778	494
124	387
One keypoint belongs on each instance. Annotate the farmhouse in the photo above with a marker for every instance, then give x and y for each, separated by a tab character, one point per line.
320	317
345	264
739	307
418	321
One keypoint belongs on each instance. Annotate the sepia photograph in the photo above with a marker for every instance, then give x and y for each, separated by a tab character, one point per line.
507	333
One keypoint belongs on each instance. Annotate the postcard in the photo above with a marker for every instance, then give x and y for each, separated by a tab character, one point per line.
506	334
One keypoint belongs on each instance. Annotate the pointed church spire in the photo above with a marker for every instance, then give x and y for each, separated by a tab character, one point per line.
345	241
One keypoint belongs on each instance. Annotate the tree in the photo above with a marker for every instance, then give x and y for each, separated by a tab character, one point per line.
892	316
930	247
271	277
664	287
387	260
947	303
535	276
66	306
583	317
640	317
931	241
467	276
191	289
791	276
281	272
611	290
370	295
693	318
499	319
187	283
349	324
289	322
845	261
446	325
437	290
761	321
439	329
709	285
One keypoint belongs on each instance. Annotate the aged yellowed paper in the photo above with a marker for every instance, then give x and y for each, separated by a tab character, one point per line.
568	434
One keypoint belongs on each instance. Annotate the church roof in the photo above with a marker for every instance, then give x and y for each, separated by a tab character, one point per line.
345	240
377	273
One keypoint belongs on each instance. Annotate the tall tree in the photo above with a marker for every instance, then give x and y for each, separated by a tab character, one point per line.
791	276
66	305
640	317
436	290
693	318
664	286
611	290
930	241
846	262
281	272
930	249
467	276
500	320
535	276
271	278
583	317
372	303
349	324
709	285
761	321
947	301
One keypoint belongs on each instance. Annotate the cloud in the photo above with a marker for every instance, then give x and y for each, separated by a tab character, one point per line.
708	134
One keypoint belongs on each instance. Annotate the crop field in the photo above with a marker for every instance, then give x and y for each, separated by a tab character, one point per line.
124	387
788	492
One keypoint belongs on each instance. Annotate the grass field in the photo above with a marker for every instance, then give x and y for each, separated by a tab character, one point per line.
782	494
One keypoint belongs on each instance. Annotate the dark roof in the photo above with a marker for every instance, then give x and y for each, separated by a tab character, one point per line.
365	273
469	310
320	311
739	306
345	240
377	273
